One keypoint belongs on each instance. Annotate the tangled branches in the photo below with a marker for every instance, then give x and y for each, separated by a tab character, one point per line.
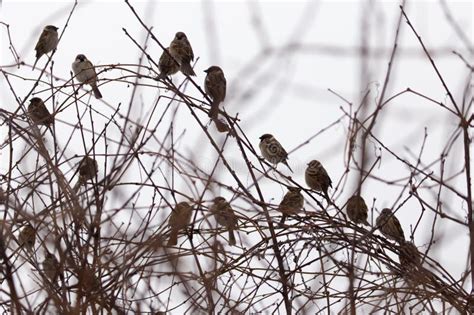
149	206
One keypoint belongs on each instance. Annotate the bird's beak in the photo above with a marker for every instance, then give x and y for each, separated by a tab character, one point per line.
206	71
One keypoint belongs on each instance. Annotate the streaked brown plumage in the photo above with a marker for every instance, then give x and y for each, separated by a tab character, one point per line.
272	150
317	178
389	226
51	267
48	41
215	86
291	204
357	210
179	219
167	65
225	216
181	50
27	237
409	256
38	112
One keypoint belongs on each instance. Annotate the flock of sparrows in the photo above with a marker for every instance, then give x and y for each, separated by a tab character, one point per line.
178	57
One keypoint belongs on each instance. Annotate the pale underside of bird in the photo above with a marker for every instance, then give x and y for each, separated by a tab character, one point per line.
273	151
85	73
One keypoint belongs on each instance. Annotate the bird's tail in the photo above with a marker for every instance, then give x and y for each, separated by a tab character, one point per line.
231	237
287	165
96	91
187	69
214	111
173	238
34	65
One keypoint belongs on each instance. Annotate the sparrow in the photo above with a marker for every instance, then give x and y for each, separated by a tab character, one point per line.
272	150
38	112
48	41
181	50
292	203
215	86
85	73
389	226
27	237
88	168
88	280
179	219
409	256
317	178
51	267
225	216
167	65
357	210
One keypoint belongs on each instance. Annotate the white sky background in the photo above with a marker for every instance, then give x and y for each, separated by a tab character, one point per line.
286	94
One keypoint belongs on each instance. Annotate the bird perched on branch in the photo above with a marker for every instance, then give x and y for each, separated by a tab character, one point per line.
272	150
85	73
88	169
317	178
357	210
181	50
389	226
179	219
167	65
225	216
291	204
38	112
48	41
51	267
409	256
215	86
27	237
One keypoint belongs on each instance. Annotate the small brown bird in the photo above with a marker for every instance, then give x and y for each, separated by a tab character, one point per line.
88	168
181	50
317	178
179	219
85	73
225	216
291	204
167	65
48	41
27	237
38	112
51	267
409	256
88	280
215	86
357	210
389	226
272	150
